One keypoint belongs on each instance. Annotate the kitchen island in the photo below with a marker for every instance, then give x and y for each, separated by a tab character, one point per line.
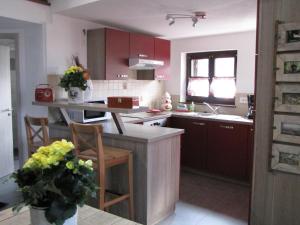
156	166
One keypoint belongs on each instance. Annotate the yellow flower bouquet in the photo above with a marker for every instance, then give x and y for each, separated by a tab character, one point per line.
74	76
55	180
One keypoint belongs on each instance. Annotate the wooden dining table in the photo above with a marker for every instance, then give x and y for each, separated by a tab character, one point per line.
86	216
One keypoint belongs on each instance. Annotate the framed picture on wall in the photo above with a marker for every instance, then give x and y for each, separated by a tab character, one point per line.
287	98
288	67
287	128
286	158
288	37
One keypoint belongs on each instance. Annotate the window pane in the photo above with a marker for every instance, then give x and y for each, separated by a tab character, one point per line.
223	87
198	87
224	67
199	68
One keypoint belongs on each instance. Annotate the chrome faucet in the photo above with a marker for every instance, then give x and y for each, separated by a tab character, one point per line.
214	110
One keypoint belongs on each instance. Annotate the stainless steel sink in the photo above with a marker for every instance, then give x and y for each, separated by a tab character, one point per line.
207	115
229	117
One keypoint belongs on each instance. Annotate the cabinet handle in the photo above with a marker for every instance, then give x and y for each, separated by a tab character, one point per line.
227	127
199	124
143	56
122	76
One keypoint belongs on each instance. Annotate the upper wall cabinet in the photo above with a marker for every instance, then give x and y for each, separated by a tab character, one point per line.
162	52
117	54
141	46
108	54
109	50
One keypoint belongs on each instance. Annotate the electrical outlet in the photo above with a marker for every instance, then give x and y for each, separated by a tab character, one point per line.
243	100
124	85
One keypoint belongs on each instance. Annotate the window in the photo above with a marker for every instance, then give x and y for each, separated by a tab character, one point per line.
211	77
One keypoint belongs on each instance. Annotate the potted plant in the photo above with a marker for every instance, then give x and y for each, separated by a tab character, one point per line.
53	182
74	81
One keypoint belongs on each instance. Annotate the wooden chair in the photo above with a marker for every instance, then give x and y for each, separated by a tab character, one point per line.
37	133
88	145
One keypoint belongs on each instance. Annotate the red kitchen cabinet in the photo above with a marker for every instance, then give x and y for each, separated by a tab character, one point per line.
219	148
162	52
227	150
108	54
117	54
250	152
194	142
141	46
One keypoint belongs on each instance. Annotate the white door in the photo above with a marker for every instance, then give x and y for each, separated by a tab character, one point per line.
6	135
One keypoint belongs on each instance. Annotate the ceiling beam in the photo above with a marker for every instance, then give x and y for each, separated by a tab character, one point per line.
60	6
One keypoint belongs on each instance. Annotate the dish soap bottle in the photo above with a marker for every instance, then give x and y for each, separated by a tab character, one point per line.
192	107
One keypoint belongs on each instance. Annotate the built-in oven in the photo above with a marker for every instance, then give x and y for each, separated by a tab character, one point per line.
87	116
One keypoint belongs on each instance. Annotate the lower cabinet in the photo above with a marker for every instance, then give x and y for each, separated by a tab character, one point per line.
227	150
220	148
194	142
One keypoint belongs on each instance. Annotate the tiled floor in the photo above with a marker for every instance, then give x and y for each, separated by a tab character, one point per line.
206	201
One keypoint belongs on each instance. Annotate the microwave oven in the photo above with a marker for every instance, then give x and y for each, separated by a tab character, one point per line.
87	116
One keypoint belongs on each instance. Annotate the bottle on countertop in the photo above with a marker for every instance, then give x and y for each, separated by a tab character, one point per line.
191	107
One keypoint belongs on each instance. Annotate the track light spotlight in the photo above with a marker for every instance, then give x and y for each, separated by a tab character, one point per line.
172	21
194	17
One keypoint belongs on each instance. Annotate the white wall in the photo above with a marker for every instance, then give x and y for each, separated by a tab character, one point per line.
44	48
64	38
244	42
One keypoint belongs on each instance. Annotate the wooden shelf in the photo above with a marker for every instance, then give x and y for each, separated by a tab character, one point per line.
90	107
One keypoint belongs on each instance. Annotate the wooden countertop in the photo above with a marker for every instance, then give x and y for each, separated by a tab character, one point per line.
86	216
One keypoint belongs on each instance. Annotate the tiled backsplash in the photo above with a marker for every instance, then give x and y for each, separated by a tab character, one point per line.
149	92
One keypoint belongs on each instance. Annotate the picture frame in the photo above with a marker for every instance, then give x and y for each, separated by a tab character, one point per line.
288	67
288	37
287	98
285	158
286	128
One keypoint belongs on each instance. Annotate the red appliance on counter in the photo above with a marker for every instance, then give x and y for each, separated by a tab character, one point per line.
44	93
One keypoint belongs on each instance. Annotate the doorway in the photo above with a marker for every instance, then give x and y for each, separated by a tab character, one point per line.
10	41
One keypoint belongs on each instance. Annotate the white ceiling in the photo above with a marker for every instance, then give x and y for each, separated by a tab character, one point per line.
148	16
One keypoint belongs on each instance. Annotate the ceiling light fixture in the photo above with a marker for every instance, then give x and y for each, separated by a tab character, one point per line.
171	17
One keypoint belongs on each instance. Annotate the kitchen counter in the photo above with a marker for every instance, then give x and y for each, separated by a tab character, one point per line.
156	167
211	117
156	159
144	116
133	132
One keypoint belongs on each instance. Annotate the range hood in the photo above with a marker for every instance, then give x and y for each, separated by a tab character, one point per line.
144	64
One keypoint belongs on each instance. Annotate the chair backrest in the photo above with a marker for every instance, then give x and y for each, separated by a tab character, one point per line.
37	132
88	144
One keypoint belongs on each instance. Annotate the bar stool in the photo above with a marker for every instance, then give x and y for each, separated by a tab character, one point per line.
37	133
88	145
